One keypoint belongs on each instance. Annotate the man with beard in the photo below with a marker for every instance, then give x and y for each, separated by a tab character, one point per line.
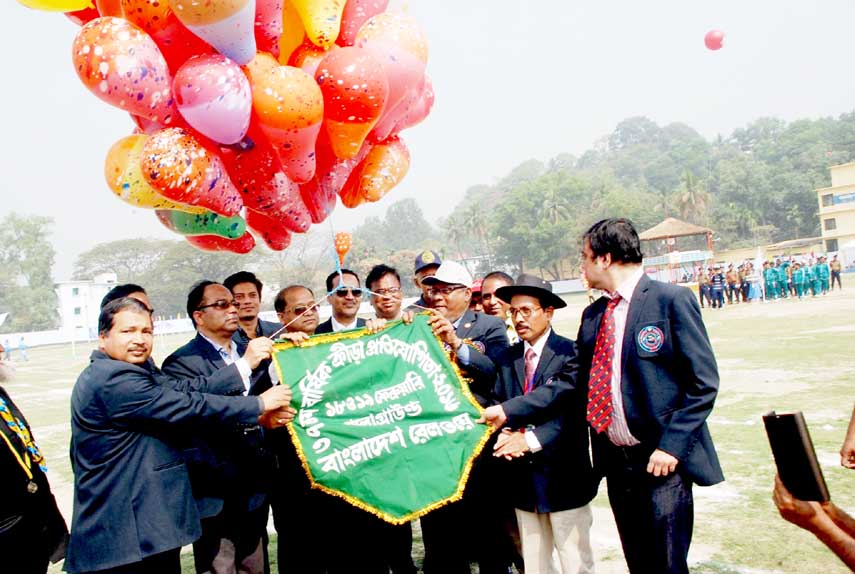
345	298
426	264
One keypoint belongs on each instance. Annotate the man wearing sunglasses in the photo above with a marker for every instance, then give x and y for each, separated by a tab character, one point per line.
475	340
229	468
295	306
345	298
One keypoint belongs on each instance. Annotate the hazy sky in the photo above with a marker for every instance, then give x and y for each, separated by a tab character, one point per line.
514	80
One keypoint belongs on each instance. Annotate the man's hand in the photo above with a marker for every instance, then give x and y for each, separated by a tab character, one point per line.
661	463
802	513
407	317
297	337
443	329
258	350
275	398
493	416
375	325
510	444
278	418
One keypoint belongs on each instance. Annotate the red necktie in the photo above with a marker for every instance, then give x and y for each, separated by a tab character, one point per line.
530	366
600	381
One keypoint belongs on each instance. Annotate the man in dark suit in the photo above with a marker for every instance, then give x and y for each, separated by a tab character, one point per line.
549	479
646	363
32	530
133	507
345	296
475	341
230	468
246	289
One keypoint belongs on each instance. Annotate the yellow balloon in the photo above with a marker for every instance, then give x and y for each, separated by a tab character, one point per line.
58	5
125	178
293	32
322	20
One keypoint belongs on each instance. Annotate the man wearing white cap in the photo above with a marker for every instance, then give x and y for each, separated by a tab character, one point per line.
476	340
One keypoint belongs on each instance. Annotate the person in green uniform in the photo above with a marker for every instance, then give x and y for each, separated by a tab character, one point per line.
770	280
798	280
824	274
815	281
781	268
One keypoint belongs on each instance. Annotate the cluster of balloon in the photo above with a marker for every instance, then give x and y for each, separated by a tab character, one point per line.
343	241
253	117
714	40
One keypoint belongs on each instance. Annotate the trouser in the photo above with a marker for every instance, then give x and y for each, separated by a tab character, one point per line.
816	287
746	288
731	291
784	291
232	542
800	290
824	286
718	298
703	294
771	291
654	515
566	533
835	275
168	562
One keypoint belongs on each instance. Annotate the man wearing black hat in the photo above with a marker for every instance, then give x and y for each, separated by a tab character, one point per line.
549	467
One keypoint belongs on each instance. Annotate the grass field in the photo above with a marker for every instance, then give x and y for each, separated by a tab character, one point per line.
785	356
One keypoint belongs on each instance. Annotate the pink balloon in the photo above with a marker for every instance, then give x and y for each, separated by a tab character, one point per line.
123	66
356	13
398	43
714	39
319	194
410	111
419	110
268	25
213	95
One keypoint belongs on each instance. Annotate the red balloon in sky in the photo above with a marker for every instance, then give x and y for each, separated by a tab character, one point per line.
714	39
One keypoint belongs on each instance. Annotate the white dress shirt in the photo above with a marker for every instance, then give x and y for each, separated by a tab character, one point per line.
229	356
336	326
618	430
530	438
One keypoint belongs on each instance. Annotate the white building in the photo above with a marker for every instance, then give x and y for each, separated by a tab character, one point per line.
80	305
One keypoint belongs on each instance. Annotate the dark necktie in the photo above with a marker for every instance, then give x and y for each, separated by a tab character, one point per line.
600	381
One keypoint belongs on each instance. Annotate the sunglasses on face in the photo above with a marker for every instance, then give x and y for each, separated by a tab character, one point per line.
304	309
343	291
220	304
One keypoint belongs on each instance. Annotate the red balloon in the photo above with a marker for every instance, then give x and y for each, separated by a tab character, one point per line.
271	230
82	17
714	39
243	244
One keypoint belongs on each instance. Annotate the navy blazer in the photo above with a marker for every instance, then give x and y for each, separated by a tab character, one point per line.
326	326
132	495
489	339
669	378
223	461
560	476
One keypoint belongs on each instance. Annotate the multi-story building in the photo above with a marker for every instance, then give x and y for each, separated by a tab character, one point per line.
837	208
80	305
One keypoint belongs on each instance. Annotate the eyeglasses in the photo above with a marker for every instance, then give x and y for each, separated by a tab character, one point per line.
301	310
389	291
445	291
220	304
526	312
343	291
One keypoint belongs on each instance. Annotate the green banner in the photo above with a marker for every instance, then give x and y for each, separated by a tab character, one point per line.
384	421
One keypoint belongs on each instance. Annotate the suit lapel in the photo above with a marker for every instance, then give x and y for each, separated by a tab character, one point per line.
519	369
209	352
546	357
466	324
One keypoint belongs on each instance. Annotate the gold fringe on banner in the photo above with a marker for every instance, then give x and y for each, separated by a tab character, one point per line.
463	384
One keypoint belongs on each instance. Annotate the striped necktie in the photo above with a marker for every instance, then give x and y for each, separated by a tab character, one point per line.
600	381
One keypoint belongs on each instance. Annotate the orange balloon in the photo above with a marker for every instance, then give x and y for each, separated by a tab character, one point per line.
307	57
343	241
123	66
150	15
384	166
355	90
180	168
290	110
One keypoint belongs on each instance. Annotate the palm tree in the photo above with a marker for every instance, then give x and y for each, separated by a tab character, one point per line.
692	199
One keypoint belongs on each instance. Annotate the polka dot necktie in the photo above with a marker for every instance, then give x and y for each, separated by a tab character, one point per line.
600	381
